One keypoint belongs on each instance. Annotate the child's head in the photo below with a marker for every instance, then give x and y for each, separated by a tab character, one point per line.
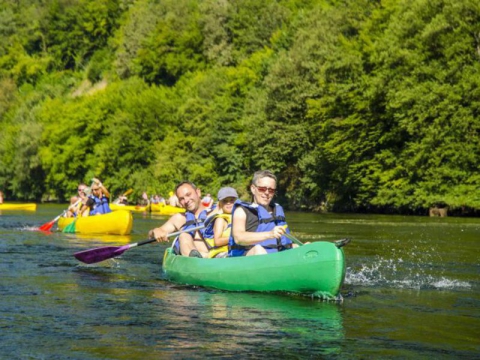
226	197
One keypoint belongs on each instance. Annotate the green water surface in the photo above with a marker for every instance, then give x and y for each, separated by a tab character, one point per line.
411	291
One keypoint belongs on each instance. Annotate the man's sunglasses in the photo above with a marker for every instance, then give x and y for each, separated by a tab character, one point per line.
264	189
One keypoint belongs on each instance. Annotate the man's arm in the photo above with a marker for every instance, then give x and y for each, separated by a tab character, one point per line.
175	223
246	238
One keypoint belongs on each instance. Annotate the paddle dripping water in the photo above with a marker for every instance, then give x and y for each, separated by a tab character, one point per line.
411	291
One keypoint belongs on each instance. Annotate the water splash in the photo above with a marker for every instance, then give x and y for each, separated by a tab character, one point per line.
31	228
415	267
384	273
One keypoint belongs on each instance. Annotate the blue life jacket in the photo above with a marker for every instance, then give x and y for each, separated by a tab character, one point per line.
100	205
266	222
192	222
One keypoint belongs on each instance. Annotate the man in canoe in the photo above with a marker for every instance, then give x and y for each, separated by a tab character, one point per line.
258	227
189	243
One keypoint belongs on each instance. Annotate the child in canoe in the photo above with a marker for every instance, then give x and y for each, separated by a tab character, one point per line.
217	233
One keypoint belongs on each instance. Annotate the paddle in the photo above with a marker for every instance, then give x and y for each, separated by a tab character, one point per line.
48	226
339	243
107	252
294	239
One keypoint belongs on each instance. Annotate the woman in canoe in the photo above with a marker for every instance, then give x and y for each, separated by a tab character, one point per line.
217	232
258	227
97	202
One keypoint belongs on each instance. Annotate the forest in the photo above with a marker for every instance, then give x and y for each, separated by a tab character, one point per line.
356	105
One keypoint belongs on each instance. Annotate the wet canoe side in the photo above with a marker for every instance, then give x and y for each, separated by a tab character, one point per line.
116	223
316	269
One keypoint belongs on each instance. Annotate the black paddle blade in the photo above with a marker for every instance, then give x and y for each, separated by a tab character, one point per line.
341	243
93	256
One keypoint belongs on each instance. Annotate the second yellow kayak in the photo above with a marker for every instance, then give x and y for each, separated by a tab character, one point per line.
159	209
116	223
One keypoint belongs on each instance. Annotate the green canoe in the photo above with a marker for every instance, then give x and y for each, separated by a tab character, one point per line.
316	269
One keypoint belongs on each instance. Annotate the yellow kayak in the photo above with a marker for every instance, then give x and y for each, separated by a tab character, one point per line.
158	209
134	208
163	209
116	223
25	207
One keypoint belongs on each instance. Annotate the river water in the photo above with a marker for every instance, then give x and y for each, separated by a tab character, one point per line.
412	290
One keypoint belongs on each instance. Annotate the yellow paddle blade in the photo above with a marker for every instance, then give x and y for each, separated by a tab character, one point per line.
128	192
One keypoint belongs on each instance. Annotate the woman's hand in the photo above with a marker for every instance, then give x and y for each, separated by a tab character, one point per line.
278	232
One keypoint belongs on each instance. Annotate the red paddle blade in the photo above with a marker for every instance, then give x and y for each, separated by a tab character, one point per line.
93	256
47	227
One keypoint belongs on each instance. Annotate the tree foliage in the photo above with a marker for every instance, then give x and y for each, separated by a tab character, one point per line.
356	105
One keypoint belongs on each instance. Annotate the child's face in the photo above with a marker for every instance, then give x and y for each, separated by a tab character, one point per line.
227	204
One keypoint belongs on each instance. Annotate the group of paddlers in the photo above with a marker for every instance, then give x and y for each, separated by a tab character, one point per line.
92	200
230	228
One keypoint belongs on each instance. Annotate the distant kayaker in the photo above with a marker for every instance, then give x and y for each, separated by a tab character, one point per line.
207	201
258	227
188	243
173	200
122	200
160	200
217	232
97	202
75	206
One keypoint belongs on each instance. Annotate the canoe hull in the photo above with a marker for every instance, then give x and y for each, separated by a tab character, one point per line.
24	207
316	269
116	223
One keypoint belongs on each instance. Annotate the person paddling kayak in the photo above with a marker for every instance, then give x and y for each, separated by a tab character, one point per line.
259	227
190	243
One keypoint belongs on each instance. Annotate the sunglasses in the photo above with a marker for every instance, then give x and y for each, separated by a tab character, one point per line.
264	189
81	189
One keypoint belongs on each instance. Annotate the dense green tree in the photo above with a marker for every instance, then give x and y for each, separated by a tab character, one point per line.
174	47
74	30
140	21
425	59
